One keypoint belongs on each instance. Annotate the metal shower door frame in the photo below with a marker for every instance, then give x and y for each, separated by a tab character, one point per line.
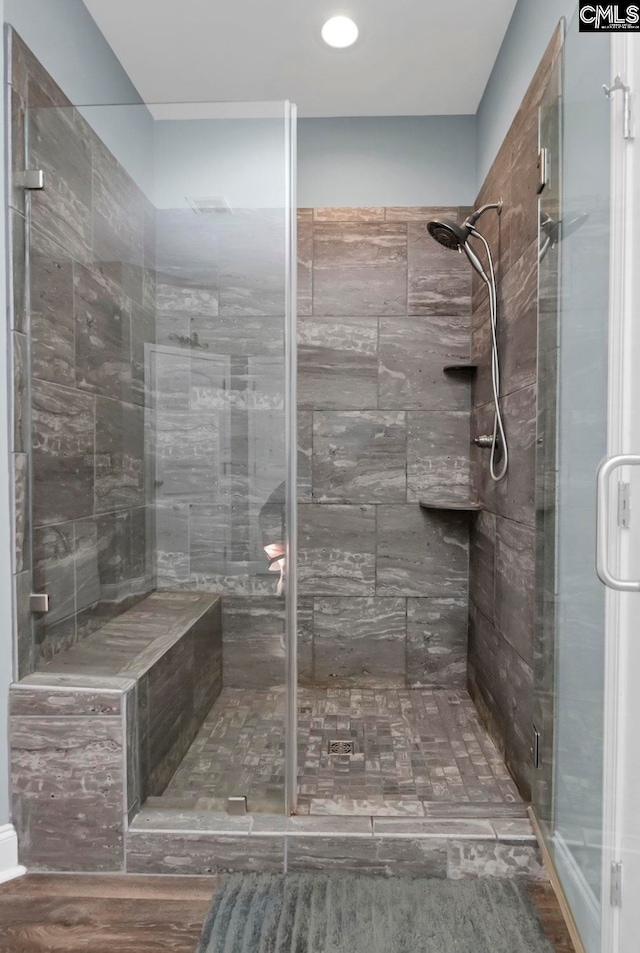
291	424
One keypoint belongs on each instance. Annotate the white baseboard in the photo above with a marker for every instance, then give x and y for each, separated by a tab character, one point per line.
9	866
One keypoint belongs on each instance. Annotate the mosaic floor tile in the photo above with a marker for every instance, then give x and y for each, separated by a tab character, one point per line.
412	747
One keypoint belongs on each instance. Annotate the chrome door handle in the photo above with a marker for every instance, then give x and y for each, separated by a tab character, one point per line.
603	506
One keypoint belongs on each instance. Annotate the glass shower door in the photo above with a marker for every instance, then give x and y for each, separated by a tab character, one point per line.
572	440
161	419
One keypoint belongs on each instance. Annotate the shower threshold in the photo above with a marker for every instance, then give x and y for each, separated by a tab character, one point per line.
414	753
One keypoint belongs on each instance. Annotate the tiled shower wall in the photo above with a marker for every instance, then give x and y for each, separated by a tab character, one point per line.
501	632
219	382
382	310
80	414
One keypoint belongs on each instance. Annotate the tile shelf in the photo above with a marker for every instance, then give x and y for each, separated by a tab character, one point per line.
465	507
460	368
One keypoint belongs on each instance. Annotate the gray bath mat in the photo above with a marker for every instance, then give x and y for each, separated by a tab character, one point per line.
309	913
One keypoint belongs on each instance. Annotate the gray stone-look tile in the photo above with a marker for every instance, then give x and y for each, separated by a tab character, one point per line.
514	585
501	685
251	264
360	269
490	494
57	700
202	853
21	521
305	451
420	553
337	546
143	333
119	480
437	642
375	806
439	279
54	572
254	642
68	792
359	457
16	277
482	543
355	214
424	213
312	826
359	642
305	640
63	453
413	353
176	820
305	264
23	624
458	828
171	713
60	146
438	449
514	831
52	316
133	786
469	859
17	142
173	547
103	341
20	373
518	322
235	335
207	661
187	456
118	220
386	856
477	809
338	363
519	411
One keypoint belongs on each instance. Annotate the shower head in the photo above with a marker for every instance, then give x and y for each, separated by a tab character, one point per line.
456	237
448	233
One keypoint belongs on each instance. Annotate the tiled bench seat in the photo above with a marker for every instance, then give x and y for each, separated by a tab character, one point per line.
107	722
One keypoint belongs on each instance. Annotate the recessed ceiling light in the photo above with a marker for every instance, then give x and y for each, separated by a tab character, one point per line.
340	32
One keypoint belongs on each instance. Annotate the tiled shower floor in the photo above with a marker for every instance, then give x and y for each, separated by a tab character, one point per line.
417	752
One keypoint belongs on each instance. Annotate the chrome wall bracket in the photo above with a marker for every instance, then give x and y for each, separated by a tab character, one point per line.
237	805
39	602
619	86
29	179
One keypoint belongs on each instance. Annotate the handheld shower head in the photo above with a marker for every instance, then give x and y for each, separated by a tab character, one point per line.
456	238
448	233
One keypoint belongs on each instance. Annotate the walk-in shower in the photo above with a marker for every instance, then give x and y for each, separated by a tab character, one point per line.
456	237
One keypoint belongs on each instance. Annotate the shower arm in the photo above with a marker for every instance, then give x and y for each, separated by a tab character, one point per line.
473	218
470	222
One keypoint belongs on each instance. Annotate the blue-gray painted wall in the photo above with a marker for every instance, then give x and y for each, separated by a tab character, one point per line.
526	39
395	160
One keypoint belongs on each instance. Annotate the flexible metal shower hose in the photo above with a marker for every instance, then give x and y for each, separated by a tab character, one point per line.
499	435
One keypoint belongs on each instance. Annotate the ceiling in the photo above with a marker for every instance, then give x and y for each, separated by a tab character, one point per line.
413	57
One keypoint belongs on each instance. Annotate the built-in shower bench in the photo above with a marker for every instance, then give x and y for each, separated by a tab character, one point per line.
114	715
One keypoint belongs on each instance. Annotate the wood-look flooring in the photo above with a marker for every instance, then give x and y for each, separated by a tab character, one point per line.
44	913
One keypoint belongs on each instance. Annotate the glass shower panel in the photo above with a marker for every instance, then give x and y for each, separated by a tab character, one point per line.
572	439
160	315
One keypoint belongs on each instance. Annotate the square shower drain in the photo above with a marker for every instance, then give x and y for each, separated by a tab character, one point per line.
341	747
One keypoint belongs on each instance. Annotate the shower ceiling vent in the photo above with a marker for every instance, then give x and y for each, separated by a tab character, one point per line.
341	747
215	205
